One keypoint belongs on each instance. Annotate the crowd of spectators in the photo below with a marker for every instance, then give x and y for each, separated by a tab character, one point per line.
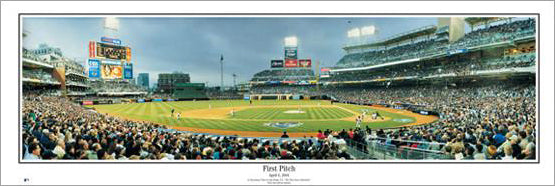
283	89
115	86
459	68
227	94
76	82
487	121
407	51
477	121
40	75
105	99
74	70
497	33
42	90
285	74
56	128
27	54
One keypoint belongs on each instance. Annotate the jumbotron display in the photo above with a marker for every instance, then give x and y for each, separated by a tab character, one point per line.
109	59
111	71
112	51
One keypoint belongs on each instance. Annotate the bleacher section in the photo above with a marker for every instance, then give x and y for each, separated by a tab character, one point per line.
498	33
287	74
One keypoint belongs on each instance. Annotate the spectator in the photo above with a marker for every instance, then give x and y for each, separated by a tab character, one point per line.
34	152
479	155
284	135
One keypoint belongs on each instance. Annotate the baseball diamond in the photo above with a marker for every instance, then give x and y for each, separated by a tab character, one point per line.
247	119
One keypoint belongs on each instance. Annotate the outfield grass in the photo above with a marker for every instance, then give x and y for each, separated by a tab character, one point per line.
318	115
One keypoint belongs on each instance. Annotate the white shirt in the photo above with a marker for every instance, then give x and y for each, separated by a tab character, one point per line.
31	156
507	158
479	156
459	156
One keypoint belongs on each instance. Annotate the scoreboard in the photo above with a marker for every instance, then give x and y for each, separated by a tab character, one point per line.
109	59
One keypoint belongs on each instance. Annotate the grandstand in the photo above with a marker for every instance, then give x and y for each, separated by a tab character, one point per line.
432	45
46	69
116	88
37	75
293	74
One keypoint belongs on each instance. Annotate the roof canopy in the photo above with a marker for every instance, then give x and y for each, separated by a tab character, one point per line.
427	30
482	20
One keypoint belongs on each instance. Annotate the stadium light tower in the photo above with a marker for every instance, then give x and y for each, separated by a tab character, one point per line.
222	73
111	26
353	33
291	41
368	30
234	77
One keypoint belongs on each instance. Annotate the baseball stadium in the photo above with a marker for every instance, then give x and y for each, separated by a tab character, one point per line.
430	89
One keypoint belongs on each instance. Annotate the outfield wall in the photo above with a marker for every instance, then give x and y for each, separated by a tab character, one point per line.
117	101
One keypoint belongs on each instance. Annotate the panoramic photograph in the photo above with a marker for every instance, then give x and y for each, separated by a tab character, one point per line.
193	88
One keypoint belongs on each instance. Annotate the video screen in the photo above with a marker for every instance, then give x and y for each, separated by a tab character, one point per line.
111	51
111	71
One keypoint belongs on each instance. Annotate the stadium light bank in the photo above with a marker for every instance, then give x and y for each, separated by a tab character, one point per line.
291	41
361	32
358	34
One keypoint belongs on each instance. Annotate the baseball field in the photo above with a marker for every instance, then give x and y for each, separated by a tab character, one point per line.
265	118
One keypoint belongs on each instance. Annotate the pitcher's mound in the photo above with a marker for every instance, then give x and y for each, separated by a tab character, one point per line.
294	112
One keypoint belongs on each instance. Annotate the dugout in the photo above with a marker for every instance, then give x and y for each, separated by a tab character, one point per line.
189	91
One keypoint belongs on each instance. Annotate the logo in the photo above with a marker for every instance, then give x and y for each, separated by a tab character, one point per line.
94	63
110	40
283	125
403	120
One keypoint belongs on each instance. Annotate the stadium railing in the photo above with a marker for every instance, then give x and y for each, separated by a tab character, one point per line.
376	149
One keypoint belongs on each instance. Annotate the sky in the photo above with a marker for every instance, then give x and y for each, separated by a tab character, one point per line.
194	44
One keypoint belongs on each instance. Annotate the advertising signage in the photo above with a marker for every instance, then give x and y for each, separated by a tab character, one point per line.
127	71
111	62
276	63
128	54
305	63
94	68
110	40
290	52
111	71
325	72
291	63
92	49
452	52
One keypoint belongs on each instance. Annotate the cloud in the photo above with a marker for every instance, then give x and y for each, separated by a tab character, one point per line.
194	45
